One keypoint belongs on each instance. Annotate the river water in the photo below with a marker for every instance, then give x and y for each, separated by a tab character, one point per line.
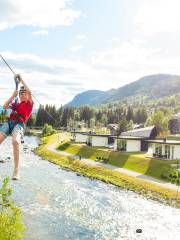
59	205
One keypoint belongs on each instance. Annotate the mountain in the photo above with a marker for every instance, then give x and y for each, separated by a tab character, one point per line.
90	97
152	87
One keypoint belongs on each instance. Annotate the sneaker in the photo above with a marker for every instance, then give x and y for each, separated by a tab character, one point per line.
15	174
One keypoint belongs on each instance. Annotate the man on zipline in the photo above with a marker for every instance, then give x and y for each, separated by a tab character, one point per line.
19	116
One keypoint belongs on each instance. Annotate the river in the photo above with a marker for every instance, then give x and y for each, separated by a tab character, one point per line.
59	205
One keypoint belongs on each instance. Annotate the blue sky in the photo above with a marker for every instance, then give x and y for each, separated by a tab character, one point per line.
100	21
64	47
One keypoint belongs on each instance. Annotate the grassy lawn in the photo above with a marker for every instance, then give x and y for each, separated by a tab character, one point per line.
166	196
137	162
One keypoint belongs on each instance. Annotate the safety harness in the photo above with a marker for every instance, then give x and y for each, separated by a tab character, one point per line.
12	123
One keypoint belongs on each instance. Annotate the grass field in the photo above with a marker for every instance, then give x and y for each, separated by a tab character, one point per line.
137	162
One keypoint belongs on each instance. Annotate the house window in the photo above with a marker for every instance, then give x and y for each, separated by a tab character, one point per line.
167	151
158	150
121	144
89	141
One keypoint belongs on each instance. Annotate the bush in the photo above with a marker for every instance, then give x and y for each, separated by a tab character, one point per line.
165	173
106	160
64	146
48	130
174	177
11	227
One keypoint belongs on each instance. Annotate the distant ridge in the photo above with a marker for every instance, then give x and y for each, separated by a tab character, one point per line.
90	97
152	86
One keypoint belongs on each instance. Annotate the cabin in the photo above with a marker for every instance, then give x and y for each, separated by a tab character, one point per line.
100	140
135	140
130	144
164	149
79	137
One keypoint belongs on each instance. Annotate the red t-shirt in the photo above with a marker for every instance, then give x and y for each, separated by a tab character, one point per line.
24	109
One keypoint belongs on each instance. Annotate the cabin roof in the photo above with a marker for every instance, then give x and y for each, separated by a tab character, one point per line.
130	138
162	141
141	132
99	135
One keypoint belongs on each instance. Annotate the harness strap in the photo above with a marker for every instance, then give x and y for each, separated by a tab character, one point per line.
18	116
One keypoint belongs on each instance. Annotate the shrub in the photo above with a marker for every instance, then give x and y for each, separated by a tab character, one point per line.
48	130
11	227
165	173
106	160
64	146
174	177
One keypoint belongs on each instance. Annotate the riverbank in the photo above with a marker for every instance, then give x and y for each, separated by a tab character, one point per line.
151	191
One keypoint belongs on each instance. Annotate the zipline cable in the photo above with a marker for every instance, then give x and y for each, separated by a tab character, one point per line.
7	64
31	93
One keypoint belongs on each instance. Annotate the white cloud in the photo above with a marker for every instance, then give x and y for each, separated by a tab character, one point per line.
123	56
80	37
132	60
44	14
58	80
76	48
40	32
158	16
115	39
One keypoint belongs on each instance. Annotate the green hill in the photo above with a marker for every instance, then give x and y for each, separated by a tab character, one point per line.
151	87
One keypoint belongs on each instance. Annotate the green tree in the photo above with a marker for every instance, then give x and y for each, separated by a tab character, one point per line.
48	130
158	119
129	113
40	116
31	121
130	125
123	126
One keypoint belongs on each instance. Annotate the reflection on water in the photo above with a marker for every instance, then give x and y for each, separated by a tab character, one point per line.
59	205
